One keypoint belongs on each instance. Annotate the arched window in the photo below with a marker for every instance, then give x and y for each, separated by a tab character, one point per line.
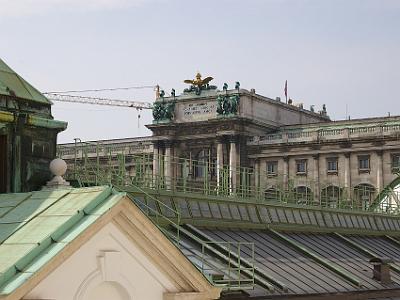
364	194
330	196
200	164
302	195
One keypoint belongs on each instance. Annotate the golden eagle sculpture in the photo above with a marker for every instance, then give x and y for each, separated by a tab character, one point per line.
198	81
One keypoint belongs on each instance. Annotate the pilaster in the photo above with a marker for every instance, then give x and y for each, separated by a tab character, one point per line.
316	178
232	164
168	164
379	170
220	161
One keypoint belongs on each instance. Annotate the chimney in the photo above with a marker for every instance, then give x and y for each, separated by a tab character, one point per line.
381	270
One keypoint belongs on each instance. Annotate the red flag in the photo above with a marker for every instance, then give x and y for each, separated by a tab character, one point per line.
286	90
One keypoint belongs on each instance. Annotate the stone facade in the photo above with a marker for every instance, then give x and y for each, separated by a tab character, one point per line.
276	145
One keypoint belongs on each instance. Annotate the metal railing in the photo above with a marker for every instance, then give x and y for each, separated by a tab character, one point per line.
207	178
233	274
229	275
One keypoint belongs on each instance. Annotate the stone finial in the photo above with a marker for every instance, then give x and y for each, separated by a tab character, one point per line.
58	167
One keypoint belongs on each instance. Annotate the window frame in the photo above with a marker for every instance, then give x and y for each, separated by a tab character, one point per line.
273	163
395	168
361	158
301	161
335	160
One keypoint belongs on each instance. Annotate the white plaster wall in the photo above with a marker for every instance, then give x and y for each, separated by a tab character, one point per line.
108	266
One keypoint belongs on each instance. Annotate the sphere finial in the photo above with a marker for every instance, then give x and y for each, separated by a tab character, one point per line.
58	167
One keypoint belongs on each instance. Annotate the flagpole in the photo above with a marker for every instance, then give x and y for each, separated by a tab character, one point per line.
286	90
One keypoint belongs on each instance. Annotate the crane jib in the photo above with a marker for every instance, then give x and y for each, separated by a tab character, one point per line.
98	101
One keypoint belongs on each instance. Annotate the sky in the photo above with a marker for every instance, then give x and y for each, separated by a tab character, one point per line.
342	53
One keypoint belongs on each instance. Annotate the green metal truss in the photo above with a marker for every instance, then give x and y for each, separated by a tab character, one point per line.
93	165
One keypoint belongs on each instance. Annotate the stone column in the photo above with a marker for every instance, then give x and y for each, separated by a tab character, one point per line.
347	174
220	162
156	163
316	179
285	172
232	165
168	165
379	171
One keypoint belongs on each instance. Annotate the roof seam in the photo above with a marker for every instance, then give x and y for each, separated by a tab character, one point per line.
31	217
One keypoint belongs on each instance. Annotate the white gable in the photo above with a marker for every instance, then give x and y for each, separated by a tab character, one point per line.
107	266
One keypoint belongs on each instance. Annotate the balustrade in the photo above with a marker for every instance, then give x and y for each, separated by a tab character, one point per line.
326	134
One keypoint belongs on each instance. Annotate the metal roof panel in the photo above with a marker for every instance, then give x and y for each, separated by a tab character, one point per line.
31	229
11	81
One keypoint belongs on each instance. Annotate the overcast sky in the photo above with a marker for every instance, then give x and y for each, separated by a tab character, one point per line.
342	53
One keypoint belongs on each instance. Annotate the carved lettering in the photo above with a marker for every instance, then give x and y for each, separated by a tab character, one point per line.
199	111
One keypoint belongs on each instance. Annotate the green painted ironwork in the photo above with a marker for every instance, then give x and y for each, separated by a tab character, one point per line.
206	178
92	171
389	197
260	277
223	263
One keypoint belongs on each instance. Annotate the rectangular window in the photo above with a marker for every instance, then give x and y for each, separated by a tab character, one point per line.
272	168
395	163
363	163
301	167
332	165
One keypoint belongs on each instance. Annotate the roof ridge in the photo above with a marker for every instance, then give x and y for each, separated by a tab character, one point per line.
42	243
16	83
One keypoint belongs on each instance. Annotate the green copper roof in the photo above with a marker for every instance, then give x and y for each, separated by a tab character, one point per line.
12	83
35	226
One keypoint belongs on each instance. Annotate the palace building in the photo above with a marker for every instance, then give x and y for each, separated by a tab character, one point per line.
239	142
235	196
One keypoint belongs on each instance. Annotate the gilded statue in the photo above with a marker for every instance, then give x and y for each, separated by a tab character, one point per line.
197	85
198	81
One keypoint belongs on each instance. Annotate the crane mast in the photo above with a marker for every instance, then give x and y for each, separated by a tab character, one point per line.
98	101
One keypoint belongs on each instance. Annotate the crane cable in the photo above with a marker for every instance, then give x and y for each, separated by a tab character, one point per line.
105	89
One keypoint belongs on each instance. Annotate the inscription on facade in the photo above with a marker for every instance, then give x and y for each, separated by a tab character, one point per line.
199	111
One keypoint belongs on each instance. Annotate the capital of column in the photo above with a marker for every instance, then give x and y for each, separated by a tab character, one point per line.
220	139
379	152
315	156
347	154
286	158
168	143
233	139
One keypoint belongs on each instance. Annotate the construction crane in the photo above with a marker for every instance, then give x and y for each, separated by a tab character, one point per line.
98	101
